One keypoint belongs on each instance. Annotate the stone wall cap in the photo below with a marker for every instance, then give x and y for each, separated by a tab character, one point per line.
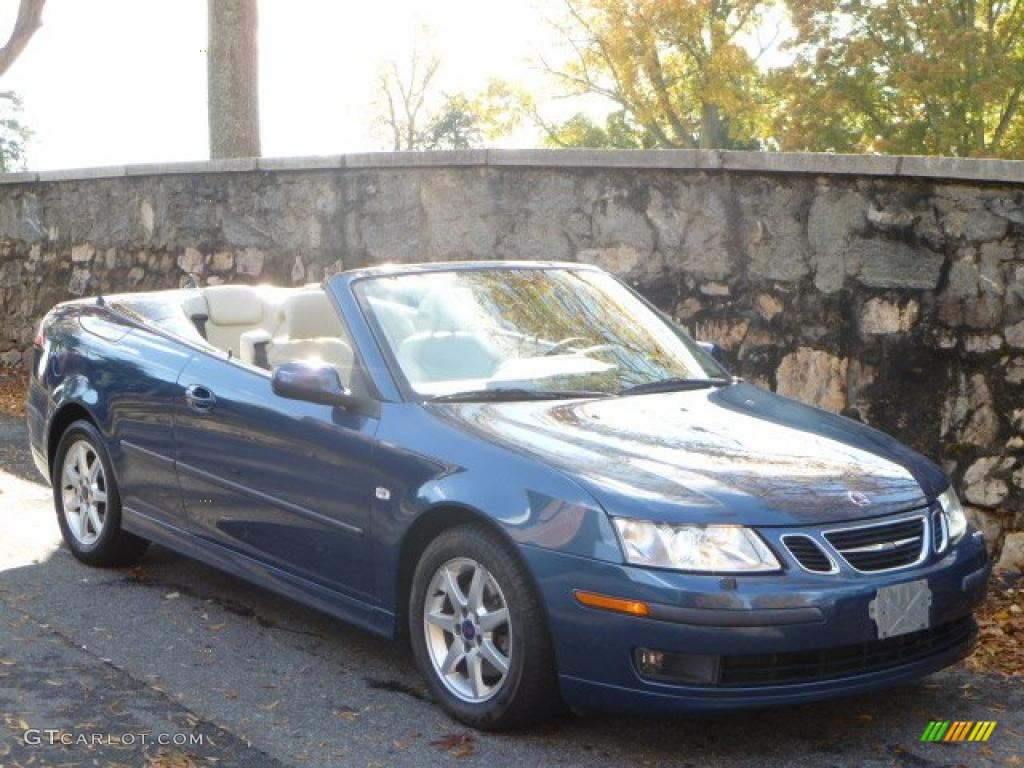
311	163
713	160
231	165
76	174
441	158
19	177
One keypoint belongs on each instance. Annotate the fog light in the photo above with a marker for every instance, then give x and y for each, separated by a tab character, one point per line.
649	662
684	668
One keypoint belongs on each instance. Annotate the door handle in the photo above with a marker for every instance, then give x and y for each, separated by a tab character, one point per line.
199	398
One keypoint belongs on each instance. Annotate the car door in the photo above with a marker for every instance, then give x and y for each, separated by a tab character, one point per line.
283	481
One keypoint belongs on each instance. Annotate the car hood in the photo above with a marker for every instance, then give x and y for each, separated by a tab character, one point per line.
734	454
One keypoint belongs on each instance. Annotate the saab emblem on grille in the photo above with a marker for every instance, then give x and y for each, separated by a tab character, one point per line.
858	498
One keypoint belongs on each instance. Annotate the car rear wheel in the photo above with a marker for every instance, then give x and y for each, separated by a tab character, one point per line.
479	633
87	501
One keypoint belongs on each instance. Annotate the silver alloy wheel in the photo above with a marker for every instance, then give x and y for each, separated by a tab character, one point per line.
84	492
468	632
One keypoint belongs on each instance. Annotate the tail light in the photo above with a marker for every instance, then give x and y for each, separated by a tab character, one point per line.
40	338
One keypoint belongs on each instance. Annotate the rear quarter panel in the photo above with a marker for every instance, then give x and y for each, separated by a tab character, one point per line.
125	377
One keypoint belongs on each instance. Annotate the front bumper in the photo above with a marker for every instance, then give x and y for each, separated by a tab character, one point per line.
792	614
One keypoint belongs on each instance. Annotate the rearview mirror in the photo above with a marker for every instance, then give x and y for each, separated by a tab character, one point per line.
712	349
314	382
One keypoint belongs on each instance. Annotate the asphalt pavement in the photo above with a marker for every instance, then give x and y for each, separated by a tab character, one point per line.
172	664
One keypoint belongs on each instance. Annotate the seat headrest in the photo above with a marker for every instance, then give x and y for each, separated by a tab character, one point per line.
233	305
448	310
195	304
308	315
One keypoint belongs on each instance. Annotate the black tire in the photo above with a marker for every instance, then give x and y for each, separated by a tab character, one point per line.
114	547
529	693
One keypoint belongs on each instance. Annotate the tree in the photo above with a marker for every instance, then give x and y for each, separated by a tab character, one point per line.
233	79
905	77
678	70
580	130
403	96
414	114
455	126
13	135
27	23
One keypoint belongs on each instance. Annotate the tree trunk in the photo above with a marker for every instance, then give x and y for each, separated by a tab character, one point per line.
711	128
233	79
30	19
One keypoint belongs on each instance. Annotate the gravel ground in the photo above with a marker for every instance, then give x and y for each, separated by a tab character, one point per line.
174	647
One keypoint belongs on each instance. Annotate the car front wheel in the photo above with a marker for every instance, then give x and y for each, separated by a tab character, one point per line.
479	633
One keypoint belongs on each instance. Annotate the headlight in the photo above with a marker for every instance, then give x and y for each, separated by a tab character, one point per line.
956	520
714	548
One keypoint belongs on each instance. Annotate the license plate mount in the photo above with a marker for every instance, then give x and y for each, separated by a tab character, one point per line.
899	609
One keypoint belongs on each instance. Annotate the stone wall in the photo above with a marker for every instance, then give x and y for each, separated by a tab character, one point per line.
887	289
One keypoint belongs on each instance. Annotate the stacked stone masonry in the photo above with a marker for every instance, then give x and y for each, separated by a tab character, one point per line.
887	289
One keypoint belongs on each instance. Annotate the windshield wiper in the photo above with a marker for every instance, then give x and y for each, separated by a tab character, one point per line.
673	385
514	393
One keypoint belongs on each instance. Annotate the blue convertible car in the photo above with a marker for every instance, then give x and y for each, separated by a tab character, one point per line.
534	474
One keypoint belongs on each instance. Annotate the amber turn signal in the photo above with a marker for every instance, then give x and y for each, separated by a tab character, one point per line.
617	604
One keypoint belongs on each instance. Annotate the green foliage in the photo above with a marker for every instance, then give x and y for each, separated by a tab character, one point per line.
455	126
904	77
13	134
412	113
678	70
465	121
581	131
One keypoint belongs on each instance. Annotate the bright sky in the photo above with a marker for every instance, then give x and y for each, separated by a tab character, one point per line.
110	82
124	81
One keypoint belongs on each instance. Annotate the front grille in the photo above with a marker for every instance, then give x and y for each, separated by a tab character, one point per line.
940	534
807	553
880	547
809	666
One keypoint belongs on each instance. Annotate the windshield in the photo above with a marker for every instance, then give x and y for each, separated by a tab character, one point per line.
561	331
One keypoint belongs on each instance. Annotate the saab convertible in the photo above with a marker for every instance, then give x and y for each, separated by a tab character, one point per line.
556	494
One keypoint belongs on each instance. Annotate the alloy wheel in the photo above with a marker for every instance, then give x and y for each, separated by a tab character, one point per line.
468	630
84	492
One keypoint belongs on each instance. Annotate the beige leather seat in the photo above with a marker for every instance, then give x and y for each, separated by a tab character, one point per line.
233	310
453	343
309	328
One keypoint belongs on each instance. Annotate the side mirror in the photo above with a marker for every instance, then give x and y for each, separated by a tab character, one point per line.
315	382
712	349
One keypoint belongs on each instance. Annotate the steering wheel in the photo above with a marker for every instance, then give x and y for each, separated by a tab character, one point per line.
564	344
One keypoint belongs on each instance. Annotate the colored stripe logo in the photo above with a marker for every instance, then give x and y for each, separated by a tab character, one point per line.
958	730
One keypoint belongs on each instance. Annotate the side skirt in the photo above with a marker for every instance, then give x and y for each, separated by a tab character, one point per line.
369	617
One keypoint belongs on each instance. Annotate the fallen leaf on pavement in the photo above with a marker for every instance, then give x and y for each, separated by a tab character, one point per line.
347	713
456	744
12	392
17	723
1000	629
137	573
166	758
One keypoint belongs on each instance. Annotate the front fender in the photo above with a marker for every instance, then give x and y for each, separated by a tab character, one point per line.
427	465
